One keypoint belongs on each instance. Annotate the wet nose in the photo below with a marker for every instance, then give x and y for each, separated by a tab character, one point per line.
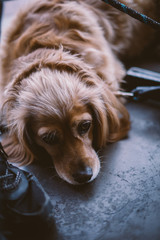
83	176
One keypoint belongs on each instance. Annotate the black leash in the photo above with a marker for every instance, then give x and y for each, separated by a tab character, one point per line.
133	13
140	84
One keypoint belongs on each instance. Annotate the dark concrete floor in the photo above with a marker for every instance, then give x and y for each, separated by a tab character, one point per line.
123	203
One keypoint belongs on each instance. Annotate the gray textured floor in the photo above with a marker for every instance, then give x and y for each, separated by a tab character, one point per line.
124	201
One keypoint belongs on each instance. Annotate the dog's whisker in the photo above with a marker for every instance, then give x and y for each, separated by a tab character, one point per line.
54	176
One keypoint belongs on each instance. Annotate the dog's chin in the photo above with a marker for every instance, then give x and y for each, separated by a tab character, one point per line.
69	179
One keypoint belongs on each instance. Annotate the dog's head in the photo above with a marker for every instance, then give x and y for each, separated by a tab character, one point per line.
67	112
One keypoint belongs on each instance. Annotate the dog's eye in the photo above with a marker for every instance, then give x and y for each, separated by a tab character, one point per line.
50	138
84	126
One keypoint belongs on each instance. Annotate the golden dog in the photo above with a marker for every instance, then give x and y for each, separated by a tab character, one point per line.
60	72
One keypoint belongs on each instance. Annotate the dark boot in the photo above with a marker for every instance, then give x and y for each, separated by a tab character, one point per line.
25	208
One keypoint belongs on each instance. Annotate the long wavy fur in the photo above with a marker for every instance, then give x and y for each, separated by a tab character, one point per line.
81	40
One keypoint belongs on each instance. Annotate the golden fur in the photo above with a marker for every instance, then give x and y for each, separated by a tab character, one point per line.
60	71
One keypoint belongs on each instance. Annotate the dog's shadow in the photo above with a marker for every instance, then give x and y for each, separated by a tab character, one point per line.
55	186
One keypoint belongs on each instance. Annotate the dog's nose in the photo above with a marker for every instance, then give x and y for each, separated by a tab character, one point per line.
83	176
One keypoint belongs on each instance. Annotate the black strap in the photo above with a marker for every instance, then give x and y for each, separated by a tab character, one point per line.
133	13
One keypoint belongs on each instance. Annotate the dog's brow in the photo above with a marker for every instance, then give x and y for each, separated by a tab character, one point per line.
44	130
85	116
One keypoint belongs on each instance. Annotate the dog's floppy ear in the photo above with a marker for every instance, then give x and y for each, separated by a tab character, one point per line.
20	145
110	119
100	123
30	146
117	115
118	119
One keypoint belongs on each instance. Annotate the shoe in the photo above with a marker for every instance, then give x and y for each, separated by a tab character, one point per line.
25	208
13	182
